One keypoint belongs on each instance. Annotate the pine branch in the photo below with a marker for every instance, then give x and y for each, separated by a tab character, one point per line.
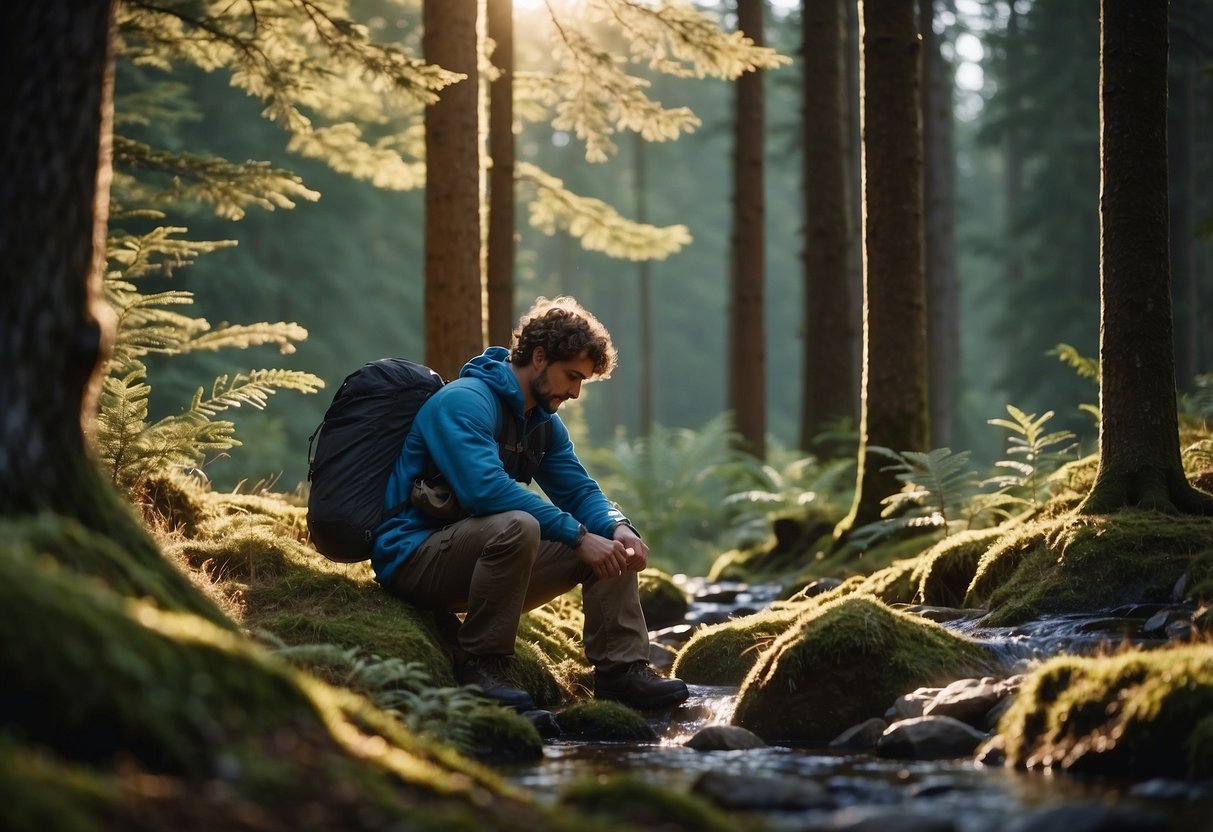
228	187
252	388
597	225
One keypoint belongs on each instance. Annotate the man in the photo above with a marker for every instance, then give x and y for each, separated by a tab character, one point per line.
517	551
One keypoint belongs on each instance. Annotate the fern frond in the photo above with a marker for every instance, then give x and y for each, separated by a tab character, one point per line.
241	336
122	418
598	226
158	252
1071	357
1040	450
938	482
253	389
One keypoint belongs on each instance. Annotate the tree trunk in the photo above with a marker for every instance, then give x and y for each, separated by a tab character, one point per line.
747	336
501	174
454	286
644	301
1139	461
828	386
1181	171
894	404
854	185
939	200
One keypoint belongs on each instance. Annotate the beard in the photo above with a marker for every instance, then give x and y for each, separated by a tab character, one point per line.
541	392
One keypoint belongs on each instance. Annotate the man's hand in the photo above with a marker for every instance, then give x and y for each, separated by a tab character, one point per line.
637	550
606	558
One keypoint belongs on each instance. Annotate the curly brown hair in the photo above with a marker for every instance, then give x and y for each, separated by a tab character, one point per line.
565	329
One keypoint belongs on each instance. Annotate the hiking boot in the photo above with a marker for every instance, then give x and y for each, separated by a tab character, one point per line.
489	674
638	685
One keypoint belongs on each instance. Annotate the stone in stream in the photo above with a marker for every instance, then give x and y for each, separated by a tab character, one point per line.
724	738
1091	817
912	704
868	819
761	793
968	700
929	737
861	737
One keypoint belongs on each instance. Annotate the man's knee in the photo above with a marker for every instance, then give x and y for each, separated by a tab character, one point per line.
516	529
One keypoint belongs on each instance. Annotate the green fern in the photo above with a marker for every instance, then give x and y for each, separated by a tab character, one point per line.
938	487
787	485
130	447
404	689
1040	454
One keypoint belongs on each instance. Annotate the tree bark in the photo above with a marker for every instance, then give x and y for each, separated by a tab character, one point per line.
747	336
939	200
501	175
894	404
644	300
828	385
454	285
1139	459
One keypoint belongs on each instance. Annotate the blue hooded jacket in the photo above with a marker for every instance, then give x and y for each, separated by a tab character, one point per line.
457	429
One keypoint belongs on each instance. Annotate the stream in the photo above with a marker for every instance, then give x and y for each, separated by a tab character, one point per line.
887	794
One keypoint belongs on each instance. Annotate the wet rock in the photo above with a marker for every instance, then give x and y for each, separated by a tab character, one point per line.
867	819
706	618
932	787
1159	623
1090	817
724	738
674	636
929	737
751	792
663	602
661	655
605	721
717	595
968	700
545	723
913	704
1138	610
1179	630
938	614
742	612
861	737
819	587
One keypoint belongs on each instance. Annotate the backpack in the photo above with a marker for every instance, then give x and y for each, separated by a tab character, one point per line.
360	439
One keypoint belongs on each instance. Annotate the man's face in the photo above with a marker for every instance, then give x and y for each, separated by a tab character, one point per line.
558	381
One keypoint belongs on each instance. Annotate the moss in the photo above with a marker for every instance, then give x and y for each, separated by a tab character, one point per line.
39	792
945	571
845	662
629	800
86	552
500	735
846	563
549	660
663	602
724	653
605	721
1078	563
1129	714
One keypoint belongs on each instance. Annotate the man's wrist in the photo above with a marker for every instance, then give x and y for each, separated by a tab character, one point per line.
581	533
624	522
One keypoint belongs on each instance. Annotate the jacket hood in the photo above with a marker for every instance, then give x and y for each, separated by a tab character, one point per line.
493	368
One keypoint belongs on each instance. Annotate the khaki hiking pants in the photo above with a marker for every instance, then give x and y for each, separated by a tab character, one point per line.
493	568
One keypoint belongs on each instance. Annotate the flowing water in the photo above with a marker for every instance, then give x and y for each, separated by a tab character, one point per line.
972	797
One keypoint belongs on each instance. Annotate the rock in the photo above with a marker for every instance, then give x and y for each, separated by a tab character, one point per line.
1167	788
929	737
761	793
605	721
990	721
663	602
968	700
717	595
724	738
819	587
674	636
938	614
861	737
867	819
545	723
1179	630
912	704
1158	624
661	656
1090	817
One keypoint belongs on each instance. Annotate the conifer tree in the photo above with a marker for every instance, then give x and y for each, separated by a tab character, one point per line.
500	254
1139	459
747	330
894	398
828	385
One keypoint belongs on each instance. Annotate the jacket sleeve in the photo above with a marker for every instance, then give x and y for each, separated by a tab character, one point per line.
458	426
564	479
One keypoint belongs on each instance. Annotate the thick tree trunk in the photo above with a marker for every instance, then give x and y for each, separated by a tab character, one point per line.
454	286
55	116
1139	461
939	200
894	405
828	386
854	184
747	332
1181	172
501	174
55	327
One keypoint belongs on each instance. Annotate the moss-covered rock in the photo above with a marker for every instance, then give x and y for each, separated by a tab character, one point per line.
605	721
1134	714
631	801
500	735
724	653
844	662
945	571
1081	563
663	601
